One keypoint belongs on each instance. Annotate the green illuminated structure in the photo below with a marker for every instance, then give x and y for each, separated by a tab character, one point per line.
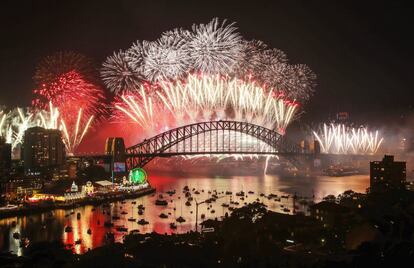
137	176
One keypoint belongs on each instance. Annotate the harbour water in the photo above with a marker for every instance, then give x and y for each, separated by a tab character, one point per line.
89	229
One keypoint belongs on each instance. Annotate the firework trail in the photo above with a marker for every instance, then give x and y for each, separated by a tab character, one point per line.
204	98
339	139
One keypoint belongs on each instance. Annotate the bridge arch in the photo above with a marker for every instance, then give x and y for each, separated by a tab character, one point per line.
141	154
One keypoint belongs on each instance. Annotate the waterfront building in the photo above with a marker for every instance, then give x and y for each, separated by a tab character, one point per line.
330	213
387	175
5	157
43	150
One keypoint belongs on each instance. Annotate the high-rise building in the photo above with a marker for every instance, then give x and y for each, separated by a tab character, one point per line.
5	157
43	150
116	148
387	175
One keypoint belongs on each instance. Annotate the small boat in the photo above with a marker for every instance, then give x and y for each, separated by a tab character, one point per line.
257	199
286	210
141	206
262	194
89	231
171	192
123	202
160	196
188	203
131	219
225	205
228	193
277	199
134	202
241	193
77	242
78	215
236	203
160	202
285	196
142	222
115	217
121	229
68	229
180	219
241	198
163	216
187	194
197	192
72	212
173	226
186	188
140	212
203	216
124	212
251	192
213	211
16	235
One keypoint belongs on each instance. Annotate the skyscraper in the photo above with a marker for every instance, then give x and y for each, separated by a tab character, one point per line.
43	150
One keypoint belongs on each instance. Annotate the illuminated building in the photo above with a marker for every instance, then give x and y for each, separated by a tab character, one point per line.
116	148
387	174
43	150
5	157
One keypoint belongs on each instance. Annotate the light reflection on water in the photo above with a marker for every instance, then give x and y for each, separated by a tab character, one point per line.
50	226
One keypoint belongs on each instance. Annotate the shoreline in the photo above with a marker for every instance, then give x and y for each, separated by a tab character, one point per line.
35	209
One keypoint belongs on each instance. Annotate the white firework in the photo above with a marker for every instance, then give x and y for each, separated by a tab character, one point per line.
118	75
167	58
215	47
135	56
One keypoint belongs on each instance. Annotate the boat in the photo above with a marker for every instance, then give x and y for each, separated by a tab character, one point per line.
173	226
89	231
203	216
180	219
134	202
123	202
121	229
131	219
241	193
171	192
115	217
213	211
187	194
163	216
140	212
68	229
286	210
225	205
197	192
124	212
188	203
160	202
186	188
229	193
262	194
72	212
142	222
141	206
16	235
251	192
77	242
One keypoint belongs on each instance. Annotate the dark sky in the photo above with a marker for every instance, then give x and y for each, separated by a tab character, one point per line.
362	51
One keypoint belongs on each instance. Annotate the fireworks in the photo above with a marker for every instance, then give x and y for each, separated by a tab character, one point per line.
59	63
118	75
339	139
69	92
215	48
204	98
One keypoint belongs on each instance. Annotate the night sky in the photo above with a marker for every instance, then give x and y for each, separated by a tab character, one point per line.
361	52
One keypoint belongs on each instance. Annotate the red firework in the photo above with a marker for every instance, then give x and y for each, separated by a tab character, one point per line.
69	92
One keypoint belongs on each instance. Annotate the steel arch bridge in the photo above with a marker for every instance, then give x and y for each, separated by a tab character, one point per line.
221	135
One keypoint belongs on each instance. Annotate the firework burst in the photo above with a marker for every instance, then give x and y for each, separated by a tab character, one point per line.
118	75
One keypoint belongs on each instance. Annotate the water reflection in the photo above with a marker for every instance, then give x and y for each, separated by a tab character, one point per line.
51	226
